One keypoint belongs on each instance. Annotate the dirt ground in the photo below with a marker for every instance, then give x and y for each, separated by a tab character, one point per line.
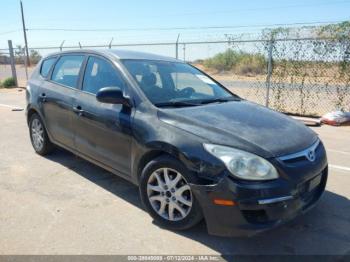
61	204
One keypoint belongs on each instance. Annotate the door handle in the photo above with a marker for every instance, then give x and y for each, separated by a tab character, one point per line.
43	97
78	110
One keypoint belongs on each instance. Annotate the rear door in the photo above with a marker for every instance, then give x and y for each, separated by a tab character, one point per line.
57	95
102	131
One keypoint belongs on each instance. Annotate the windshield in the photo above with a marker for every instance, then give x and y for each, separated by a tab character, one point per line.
174	83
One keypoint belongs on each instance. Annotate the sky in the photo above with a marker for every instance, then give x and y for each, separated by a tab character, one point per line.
139	21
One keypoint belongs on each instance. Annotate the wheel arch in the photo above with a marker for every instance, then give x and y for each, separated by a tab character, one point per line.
155	150
146	158
31	112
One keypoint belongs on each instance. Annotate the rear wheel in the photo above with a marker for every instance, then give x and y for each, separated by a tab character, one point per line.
166	193
38	136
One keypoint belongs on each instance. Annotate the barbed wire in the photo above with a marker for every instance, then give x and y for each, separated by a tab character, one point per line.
182	28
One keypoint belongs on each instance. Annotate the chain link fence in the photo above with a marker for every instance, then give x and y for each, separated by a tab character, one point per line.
22	72
311	77
300	76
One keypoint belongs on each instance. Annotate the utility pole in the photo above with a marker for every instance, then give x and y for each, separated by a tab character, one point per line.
25	35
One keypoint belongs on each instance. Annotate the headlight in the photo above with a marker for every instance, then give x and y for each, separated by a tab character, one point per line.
243	164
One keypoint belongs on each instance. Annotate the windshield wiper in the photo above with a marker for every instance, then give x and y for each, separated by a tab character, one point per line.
196	102
176	104
219	100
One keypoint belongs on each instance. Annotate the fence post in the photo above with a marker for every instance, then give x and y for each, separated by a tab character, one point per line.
177	47
269	73
61	46
13	63
184	50
110	43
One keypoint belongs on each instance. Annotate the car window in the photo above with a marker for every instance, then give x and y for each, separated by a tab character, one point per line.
148	72
184	80
67	69
46	66
164	82
100	73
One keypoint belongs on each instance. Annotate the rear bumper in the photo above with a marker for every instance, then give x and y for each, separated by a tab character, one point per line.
257	208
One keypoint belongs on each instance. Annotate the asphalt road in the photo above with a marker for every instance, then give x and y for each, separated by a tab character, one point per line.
61	204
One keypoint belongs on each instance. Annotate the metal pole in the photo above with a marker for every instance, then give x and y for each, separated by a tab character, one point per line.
61	46
13	65
25	64
25	34
184	49
269	73
110	43
177	47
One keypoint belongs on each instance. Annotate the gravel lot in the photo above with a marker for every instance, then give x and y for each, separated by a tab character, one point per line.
62	204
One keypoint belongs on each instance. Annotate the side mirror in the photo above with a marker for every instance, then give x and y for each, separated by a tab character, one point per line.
112	95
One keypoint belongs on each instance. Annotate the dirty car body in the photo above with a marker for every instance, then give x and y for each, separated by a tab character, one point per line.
208	130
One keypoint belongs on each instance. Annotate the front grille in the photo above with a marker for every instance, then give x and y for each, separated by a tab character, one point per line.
295	160
302	155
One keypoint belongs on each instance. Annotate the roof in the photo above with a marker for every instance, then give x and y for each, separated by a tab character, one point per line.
122	54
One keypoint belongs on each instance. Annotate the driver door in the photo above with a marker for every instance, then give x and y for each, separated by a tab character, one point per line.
102	131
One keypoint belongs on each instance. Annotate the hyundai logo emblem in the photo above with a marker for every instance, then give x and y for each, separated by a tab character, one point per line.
311	155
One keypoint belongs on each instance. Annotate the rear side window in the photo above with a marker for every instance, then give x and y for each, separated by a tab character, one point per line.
46	66
67	70
100	73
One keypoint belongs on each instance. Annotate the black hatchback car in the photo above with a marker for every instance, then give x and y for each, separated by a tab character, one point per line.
193	147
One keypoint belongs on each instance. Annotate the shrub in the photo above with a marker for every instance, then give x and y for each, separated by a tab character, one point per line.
8	82
222	61
251	65
238	62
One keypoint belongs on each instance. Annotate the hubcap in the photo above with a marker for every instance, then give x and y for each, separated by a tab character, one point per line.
37	134
169	194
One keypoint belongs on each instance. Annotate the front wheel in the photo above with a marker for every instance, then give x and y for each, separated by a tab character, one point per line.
166	194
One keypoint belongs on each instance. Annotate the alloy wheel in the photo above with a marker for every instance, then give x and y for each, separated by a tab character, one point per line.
37	134
169	194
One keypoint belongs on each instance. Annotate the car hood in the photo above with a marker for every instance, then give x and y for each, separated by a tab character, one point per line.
243	125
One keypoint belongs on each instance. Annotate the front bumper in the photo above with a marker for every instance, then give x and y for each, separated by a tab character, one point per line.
261	206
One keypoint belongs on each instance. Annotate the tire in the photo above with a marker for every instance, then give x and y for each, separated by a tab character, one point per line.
37	133
180	199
